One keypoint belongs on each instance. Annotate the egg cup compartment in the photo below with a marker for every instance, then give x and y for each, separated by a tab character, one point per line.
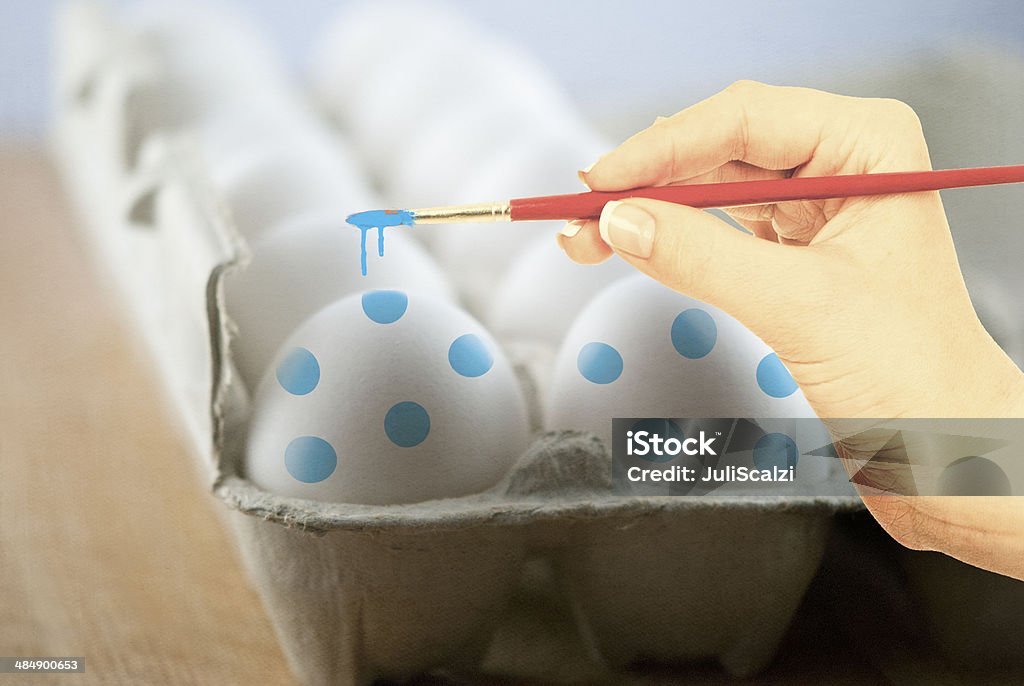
975	616
669	578
360	604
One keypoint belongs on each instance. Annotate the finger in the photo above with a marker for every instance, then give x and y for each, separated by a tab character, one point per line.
766	126
700	255
734	170
756	219
582	242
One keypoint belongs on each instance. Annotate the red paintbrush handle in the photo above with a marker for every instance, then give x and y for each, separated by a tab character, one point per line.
736	193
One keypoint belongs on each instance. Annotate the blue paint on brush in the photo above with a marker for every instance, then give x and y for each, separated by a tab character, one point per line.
378	219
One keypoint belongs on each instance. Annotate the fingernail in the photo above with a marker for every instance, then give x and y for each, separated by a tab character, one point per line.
582	174
627	228
571	229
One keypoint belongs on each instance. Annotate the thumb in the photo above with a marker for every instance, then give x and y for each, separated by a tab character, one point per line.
696	253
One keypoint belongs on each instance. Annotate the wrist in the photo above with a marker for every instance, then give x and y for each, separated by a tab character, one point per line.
992	385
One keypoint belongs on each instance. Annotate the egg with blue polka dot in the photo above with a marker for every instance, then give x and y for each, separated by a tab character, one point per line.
304	264
640	349
386	397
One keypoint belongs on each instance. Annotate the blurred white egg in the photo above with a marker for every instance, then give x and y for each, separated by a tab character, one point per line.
230	131
477	254
389	104
285	177
544	291
226	133
306	263
385	398
1001	314
384	119
219	52
640	349
346	62
450	151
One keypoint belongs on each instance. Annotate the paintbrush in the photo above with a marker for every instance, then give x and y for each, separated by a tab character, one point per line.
701	195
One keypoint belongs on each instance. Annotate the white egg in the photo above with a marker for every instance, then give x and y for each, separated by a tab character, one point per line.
544	291
218	51
448	152
225	134
306	263
640	349
385	398
229	131
383	120
1000	313
346	57
396	99
477	254
287	176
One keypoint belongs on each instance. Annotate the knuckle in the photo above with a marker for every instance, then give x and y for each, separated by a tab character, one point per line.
902	113
745	86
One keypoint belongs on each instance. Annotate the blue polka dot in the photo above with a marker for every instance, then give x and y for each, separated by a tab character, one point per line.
773	377
385	307
299	372
310	459
407	424
599	363
694	333
469	356
775	450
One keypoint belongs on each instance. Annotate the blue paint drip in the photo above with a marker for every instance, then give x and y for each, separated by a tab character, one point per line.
377	219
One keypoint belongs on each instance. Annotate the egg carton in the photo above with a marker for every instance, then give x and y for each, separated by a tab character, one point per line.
357	592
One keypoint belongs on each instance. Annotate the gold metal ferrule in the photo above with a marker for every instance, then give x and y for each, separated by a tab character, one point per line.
460	214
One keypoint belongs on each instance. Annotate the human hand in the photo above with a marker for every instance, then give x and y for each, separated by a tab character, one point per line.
862	298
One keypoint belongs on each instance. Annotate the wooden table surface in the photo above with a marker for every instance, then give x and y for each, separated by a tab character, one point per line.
110	547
